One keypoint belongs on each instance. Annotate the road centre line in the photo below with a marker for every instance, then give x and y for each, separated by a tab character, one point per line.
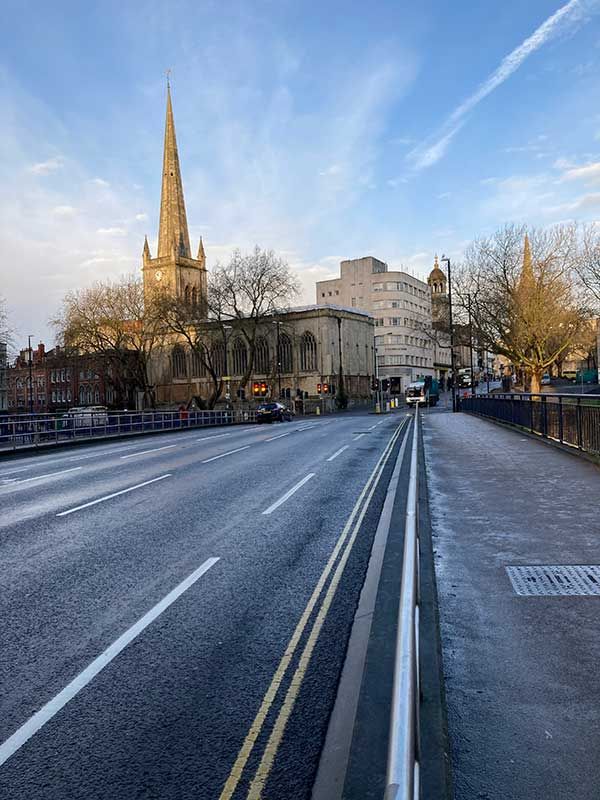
228	453
337	453
281	435
356	438
110	496
269	697
289	493
14	471
145	452
47	475
208	438
53	706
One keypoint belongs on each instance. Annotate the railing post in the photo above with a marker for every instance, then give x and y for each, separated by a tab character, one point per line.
560	419
544	417
579	433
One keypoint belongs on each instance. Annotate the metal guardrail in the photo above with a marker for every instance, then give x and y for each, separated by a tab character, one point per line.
43	430
402	781
572	420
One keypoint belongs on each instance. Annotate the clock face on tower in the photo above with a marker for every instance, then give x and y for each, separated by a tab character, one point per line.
158	275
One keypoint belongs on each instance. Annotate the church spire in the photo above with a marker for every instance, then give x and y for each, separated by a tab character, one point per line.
201	254
173	222
146	252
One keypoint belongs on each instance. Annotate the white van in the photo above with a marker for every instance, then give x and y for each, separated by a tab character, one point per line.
88	416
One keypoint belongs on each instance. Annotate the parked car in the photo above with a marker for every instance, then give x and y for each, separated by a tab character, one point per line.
545	379
273	412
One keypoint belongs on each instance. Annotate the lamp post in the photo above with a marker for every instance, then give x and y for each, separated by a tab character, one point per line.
471	346
447	260
29	357
227	376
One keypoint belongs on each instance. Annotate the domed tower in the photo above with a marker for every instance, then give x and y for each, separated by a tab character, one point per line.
438	286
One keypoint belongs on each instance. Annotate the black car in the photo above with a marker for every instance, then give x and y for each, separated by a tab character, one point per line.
273	412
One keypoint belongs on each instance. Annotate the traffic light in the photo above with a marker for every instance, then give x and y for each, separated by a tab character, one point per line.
325	388
263	389
385	385
256	389
318	388
375	384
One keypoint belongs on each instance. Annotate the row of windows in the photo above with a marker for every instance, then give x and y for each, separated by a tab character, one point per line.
238	357
61	396
60	375
392	338
378	304
330	293
399	286
404	360
406	322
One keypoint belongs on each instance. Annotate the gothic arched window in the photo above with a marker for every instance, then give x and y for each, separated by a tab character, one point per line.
261	356
178	362
186	295
197	365
240	357
194	296
308	352
218	358
286	360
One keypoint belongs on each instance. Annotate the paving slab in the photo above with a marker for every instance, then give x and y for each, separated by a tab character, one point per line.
521	670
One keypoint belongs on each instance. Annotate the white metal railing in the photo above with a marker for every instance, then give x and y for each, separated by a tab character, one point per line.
27	430
402	780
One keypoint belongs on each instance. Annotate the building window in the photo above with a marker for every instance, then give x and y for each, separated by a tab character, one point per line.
217	355
197	365
285	353
240	357
322	294
178	362
308	352
186	295
194	296
353	301
261	356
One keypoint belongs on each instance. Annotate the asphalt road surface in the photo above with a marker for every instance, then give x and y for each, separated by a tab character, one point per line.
174	610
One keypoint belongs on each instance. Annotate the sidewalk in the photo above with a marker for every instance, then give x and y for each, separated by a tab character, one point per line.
522	671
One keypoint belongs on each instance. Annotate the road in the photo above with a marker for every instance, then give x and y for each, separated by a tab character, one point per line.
175	610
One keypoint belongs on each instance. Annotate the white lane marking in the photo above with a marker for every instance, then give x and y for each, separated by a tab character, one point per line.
306	427
114	494
228	453
217	436
356	438
288	494
14	471
53	706
373	426
337	453
281	435
47	475
145	452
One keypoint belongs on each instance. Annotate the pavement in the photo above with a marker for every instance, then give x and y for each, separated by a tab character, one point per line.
174	610
521	670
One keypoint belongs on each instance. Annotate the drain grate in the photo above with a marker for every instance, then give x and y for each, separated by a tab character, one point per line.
556	580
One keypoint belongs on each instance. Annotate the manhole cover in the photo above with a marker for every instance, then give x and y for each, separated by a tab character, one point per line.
556	580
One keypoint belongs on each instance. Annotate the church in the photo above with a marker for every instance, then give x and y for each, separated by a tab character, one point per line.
297	355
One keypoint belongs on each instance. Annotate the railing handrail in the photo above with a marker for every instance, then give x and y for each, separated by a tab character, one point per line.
538	394
402	781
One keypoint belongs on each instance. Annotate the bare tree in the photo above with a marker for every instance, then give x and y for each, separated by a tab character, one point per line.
588	261
112	321
5	330
248	290
523	294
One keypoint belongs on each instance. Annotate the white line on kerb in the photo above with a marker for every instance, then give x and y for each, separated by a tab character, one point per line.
336	454
216	436
47	475
356	438
228	453
155	450
52	707
287	495
281	435
114	494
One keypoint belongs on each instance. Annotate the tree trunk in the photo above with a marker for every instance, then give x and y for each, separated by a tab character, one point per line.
536	381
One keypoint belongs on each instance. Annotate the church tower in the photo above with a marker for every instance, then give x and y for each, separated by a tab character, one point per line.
438	286
174	270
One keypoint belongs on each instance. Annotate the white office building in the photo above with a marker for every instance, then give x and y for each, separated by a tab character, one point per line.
401	305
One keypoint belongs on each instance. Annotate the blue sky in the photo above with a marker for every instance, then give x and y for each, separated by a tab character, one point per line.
323	130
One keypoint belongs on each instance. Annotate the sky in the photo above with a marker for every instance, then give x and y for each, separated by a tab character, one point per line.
322	130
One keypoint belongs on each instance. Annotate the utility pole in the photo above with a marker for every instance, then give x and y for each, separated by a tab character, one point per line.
471	346
30	376
452	361
278	360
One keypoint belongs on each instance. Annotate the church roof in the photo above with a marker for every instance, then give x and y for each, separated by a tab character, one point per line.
436	273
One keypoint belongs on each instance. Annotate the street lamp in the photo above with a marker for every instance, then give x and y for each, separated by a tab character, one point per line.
471	346
447	260
226	376
30	375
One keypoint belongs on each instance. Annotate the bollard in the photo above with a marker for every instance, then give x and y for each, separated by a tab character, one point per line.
377	408
318	411
387	406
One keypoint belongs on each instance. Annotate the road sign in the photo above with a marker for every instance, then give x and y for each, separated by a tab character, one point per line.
226	378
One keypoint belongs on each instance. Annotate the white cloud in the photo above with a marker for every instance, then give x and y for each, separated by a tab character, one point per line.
100	182
581	204
111	231
334	169
443	195
64	211
46	167
141	217
587	172
572	13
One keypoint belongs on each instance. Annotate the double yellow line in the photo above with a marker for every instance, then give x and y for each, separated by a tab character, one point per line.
347	538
